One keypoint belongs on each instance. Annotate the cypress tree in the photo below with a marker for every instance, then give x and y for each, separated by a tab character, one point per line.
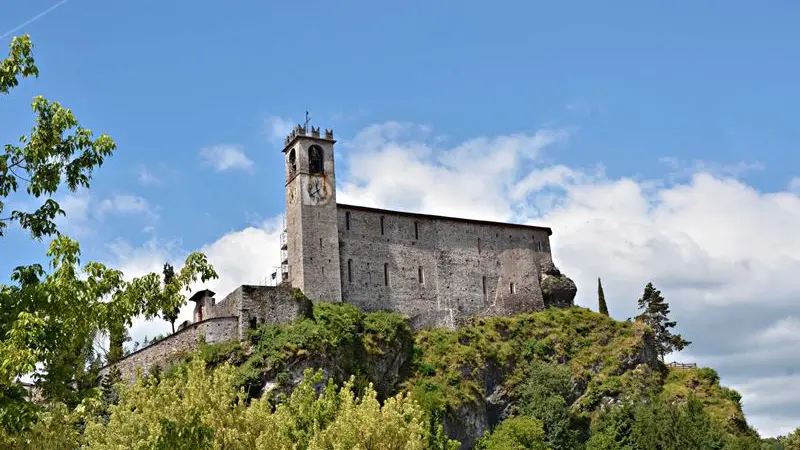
601	298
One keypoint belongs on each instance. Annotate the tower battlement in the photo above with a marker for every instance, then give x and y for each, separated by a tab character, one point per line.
302	130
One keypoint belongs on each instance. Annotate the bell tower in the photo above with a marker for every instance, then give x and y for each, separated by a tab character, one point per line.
312	232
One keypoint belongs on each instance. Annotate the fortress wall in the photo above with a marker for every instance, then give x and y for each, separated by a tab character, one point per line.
455	256
163	352
258	305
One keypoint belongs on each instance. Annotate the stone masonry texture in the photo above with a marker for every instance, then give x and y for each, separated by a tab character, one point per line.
439	271
163	352
244	308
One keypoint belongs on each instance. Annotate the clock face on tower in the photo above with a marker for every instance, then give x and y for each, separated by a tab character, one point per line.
316	190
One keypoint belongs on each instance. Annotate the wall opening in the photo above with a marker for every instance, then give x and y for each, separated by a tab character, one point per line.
292	162
479	247
315	160
347	220
382	229
421	275
320	242
416	230
350	270
512	288
483	280
386	274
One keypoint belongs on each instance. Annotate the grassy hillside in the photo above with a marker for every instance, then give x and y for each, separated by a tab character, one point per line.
570	366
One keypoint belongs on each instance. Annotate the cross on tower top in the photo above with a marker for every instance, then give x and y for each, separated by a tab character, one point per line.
308	119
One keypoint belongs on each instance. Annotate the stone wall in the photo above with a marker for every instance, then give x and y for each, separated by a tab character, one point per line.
162	353
262	305
439	271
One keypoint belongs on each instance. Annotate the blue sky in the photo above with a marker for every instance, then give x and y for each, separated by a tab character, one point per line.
679	104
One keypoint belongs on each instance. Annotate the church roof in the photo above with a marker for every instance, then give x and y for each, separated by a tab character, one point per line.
454	219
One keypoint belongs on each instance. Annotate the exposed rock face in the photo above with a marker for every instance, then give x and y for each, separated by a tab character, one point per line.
385	365
558	290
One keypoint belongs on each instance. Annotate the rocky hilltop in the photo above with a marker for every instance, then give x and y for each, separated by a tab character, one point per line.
571	365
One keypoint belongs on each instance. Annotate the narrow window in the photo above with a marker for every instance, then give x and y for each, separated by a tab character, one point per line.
416	230
512	288
347	220
479	249
484	286
381	225
292	163
320	242
386	274
350	270
421	275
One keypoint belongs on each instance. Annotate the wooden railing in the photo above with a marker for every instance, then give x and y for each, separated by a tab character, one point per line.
677	365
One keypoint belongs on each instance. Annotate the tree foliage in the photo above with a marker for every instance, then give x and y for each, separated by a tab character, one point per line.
656	315
792	441
202	409
601	298
58	152
46	317
515	433
170	315
546	395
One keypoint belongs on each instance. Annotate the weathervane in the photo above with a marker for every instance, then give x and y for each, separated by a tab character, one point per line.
305	125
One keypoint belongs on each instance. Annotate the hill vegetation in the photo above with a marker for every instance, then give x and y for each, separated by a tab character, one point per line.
557	379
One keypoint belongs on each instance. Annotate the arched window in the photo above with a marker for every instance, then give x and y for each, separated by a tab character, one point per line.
292	162
315	160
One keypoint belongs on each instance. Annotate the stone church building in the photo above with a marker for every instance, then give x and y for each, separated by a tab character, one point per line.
437	270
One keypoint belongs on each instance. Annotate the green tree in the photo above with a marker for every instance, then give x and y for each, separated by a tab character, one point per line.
601	298
170	315
117	337
48	316
58	152
614	430
656	315
515	433
202	408
661	424
792	441
546	395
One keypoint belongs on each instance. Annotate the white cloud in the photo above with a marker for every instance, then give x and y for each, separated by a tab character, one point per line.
147	177
83	212
126	204
794	185
724	254
278	128
682	168
226	157
784	331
